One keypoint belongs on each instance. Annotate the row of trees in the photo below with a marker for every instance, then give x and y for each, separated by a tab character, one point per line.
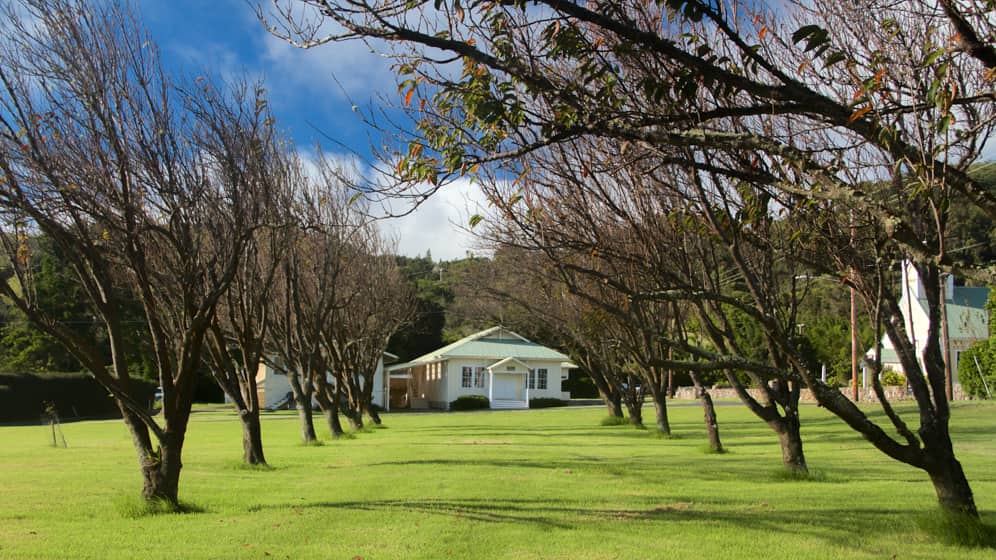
682	164
183	197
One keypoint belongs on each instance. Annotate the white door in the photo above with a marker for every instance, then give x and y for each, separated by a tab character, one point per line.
508	387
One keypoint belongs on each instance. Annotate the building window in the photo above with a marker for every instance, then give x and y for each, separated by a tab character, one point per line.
479	377
465	377
541	376
538	378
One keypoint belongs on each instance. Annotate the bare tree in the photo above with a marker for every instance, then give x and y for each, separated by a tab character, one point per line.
149	187
306	297
238	334
375	303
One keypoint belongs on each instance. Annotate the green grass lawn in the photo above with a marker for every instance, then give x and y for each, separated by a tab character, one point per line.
519	484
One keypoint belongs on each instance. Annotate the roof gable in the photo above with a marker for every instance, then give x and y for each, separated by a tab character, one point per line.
509	360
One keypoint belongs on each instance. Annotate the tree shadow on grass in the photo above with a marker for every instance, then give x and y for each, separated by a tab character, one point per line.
833	526
641	469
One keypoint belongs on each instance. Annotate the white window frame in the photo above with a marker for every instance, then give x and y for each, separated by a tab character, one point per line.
479	375
466	377
542	379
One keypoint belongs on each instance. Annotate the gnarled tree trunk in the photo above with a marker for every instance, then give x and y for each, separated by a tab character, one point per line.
953	491
302	402
660	410
252	438
635	410
709	414
161	470
613	402
790	438
330	409
373	414
332	419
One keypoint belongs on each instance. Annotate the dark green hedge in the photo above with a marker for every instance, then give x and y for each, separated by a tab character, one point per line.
22	396
470	402
546	402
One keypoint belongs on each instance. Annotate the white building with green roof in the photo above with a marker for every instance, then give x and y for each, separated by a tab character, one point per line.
968	321
496	363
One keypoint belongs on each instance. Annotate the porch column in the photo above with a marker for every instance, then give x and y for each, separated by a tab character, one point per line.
527	388
491	386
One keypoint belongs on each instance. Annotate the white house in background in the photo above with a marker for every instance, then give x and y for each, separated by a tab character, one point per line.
274	389
496	363
968	321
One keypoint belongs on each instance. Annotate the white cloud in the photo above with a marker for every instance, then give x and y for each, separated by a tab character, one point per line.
341	70
440	224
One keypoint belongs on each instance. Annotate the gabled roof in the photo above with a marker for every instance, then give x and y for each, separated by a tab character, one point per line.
509	360
495	343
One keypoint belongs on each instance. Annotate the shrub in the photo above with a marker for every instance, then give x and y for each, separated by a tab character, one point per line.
892	378
614	421
977	370
470	402
546	402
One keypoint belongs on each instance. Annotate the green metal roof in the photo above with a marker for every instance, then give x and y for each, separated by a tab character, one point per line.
495	343
970	297
967	316
967	322
889	356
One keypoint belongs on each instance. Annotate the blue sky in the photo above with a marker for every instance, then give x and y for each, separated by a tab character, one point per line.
312	94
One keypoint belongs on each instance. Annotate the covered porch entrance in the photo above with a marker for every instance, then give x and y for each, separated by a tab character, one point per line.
508	384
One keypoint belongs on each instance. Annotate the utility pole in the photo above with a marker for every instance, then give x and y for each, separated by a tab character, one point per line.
854	325
854	345
945	344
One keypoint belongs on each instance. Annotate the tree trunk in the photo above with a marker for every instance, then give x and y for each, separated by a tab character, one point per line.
332	419
613	402
373	414
954	494
660	411
635	410
790	439
329	402
953	491
302	402
355	418
366	401
609	394
161	473
352	411
711	423
252	438
307	423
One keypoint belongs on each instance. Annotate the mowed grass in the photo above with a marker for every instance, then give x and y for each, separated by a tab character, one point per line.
519	484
